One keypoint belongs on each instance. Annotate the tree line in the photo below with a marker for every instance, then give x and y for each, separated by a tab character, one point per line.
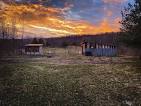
130	30
131	25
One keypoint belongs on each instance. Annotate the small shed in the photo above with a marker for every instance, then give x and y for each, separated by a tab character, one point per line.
99	49
33	49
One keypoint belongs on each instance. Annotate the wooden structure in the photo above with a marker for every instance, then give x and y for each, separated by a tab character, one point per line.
33	49
99	49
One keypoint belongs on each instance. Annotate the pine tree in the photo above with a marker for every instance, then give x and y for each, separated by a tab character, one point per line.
131	24
35	41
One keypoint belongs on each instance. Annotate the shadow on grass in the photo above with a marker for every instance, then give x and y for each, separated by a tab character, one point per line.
137	65
6	72
50	91
45	85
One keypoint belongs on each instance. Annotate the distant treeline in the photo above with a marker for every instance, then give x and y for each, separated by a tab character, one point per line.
8	46
76	40
11	46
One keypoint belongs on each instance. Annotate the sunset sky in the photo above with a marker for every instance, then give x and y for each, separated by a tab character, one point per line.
51	18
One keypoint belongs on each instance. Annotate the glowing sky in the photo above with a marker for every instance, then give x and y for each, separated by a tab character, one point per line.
51	18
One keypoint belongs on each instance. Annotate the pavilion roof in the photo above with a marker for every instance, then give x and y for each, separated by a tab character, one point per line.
33	45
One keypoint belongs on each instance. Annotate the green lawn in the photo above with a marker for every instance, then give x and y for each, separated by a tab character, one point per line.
69	79
41	84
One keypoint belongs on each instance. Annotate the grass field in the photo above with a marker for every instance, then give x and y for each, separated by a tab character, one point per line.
69	79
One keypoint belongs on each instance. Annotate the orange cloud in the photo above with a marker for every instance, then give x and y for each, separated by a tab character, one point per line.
58	27
2	5
49	22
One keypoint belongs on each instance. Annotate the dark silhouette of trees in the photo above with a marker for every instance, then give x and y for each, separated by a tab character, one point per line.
41	41
76	40
131	24
47	44
8	28
35	41
4	29
8	32
64	44
38	41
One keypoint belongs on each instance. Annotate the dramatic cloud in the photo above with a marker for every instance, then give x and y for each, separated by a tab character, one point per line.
50	18
2	5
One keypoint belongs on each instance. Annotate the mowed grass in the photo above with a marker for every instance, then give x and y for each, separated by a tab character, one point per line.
40	84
